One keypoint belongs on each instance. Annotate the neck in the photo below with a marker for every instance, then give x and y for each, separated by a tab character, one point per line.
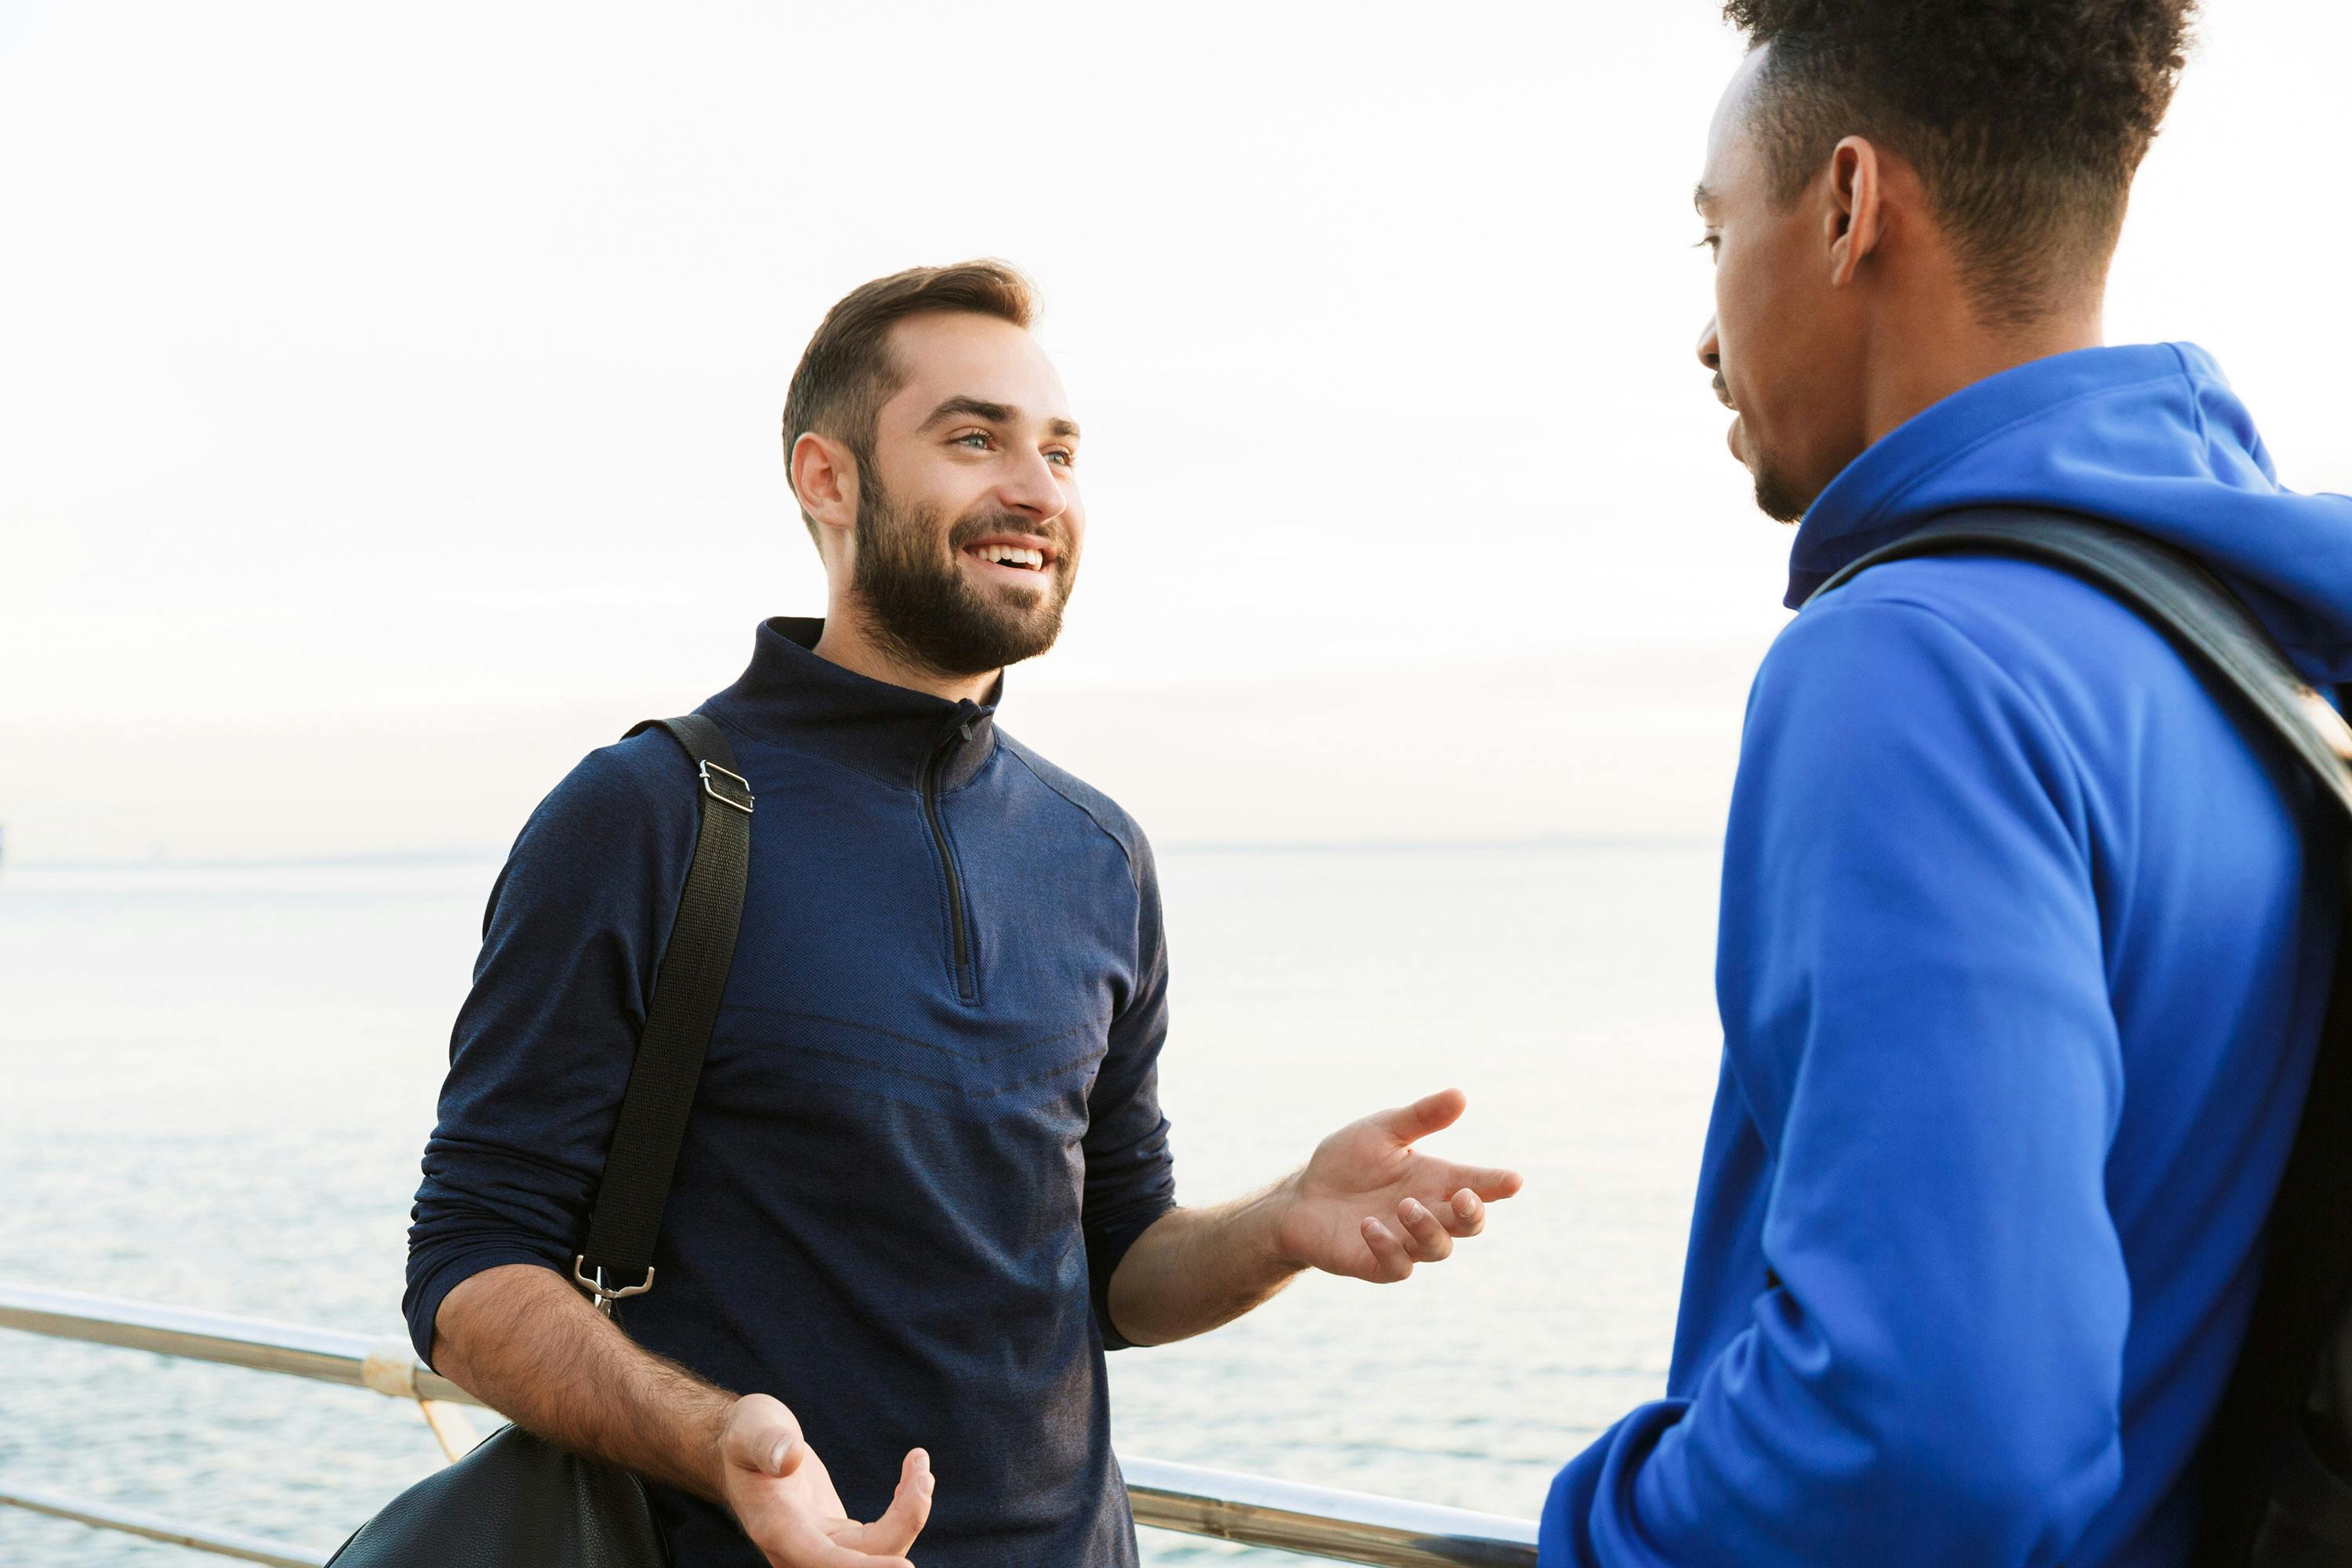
850	641
1929	359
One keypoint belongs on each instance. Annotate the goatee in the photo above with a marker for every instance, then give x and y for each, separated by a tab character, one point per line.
1779	500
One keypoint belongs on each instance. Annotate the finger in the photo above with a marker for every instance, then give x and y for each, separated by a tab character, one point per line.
1491	1184
1424	1238
1391	1262
910	1510
1464	1214
816	1550
1423	1116
806	1546
833	1554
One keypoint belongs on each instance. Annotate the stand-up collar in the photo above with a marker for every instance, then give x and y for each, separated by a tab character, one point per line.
791	696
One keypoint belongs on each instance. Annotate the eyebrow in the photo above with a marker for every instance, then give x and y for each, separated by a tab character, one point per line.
1701	198
994	413
970	408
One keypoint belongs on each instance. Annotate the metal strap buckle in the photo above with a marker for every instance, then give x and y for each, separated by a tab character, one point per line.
2321	716
711	787
606	1296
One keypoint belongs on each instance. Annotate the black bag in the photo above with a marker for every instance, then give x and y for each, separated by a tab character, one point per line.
517	1501
2278	1459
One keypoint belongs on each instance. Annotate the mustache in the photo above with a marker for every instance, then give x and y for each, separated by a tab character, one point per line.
975	526
1723	391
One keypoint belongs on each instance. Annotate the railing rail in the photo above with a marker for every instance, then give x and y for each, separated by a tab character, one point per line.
1254	1510
130	1521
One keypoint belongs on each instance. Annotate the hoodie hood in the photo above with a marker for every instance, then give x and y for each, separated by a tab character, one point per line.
2148	436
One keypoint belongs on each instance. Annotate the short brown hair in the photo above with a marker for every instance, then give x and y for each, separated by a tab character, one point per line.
847	372
2026	121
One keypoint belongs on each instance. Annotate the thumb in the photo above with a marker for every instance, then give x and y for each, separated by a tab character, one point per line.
1423	1116
763	1435
910	1510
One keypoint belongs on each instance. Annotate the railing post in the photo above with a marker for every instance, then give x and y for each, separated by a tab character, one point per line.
390	1368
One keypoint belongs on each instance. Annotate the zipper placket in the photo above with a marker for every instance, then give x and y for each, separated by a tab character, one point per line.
965	986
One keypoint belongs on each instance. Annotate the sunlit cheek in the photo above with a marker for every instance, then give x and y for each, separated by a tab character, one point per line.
1731	314
943	490
1761	322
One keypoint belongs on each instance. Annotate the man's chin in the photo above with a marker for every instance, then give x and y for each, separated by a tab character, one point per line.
1776	498
1019	626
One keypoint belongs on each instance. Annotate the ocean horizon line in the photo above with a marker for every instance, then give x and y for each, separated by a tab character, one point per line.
468	855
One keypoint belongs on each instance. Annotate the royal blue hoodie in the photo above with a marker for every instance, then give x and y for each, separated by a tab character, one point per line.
2023	954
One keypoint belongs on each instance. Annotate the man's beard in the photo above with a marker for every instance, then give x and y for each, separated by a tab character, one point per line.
1776	498
927	614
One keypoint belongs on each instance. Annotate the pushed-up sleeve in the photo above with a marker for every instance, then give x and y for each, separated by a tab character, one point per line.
1914	994
1130	1173
541	1051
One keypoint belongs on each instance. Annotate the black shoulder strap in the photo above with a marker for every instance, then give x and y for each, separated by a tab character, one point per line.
617	1258
2275	1486
2168	589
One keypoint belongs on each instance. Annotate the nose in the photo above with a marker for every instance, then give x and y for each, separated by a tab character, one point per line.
1710	349
1031	488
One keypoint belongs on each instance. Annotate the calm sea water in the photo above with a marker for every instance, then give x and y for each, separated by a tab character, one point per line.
216	1084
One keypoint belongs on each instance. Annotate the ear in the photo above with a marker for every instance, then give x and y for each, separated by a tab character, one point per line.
1854	221
824	480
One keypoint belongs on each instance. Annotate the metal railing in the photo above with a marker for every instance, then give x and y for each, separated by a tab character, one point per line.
1251	1510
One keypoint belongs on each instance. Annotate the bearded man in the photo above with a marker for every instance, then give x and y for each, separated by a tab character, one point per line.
926	1182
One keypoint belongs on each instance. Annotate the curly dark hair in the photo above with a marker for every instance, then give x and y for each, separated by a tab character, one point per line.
2026	118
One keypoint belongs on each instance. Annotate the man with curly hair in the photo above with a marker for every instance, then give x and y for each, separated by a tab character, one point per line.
2025	945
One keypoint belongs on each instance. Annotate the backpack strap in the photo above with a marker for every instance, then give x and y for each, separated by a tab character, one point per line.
643	1155
2277	1469
2167	588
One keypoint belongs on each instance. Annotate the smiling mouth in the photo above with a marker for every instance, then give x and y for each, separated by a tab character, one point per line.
1012	557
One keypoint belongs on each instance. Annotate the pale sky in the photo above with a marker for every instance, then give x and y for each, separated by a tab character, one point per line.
388	398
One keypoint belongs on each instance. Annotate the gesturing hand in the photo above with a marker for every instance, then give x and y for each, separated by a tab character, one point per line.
1367	1176
782	1496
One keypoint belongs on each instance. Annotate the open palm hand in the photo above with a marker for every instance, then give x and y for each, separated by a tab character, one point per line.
783	1497
1371	1206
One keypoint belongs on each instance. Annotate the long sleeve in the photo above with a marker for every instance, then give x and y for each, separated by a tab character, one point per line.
1130	1172
542	1050
1917	1013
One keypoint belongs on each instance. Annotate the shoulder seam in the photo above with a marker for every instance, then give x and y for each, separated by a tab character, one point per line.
1015	751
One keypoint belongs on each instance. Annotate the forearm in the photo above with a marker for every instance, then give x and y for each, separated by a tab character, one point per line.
1196	1269
523	1341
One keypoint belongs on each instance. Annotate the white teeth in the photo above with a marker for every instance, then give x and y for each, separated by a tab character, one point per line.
1011	555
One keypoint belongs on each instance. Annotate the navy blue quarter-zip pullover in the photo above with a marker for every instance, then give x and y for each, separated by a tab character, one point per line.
929	1125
